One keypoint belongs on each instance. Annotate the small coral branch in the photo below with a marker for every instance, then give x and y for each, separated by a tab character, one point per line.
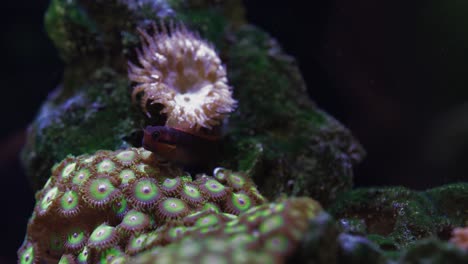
184	74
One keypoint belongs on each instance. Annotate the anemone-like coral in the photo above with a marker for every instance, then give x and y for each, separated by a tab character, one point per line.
184	74
172	208
69	204
116	204
134	222
75	240
143	193
28	253
103	237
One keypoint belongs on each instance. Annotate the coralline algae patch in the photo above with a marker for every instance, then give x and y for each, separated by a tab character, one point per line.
114	205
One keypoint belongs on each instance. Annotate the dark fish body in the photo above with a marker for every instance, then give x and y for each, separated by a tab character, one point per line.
180	147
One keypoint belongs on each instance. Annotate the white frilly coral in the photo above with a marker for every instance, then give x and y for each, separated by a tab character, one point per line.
183	73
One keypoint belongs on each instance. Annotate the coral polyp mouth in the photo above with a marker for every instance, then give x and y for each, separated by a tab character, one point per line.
183	73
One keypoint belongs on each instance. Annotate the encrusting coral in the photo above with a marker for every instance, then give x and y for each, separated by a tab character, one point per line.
264	234
113	205
185	75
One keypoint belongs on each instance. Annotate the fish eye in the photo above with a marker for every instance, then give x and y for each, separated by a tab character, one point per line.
155	135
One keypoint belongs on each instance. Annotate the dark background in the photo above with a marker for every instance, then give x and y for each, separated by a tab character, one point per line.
394	72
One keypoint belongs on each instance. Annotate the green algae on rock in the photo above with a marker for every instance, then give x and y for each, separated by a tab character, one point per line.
80	121
389	212
434	251
446	197
304	151
358	249
396	217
